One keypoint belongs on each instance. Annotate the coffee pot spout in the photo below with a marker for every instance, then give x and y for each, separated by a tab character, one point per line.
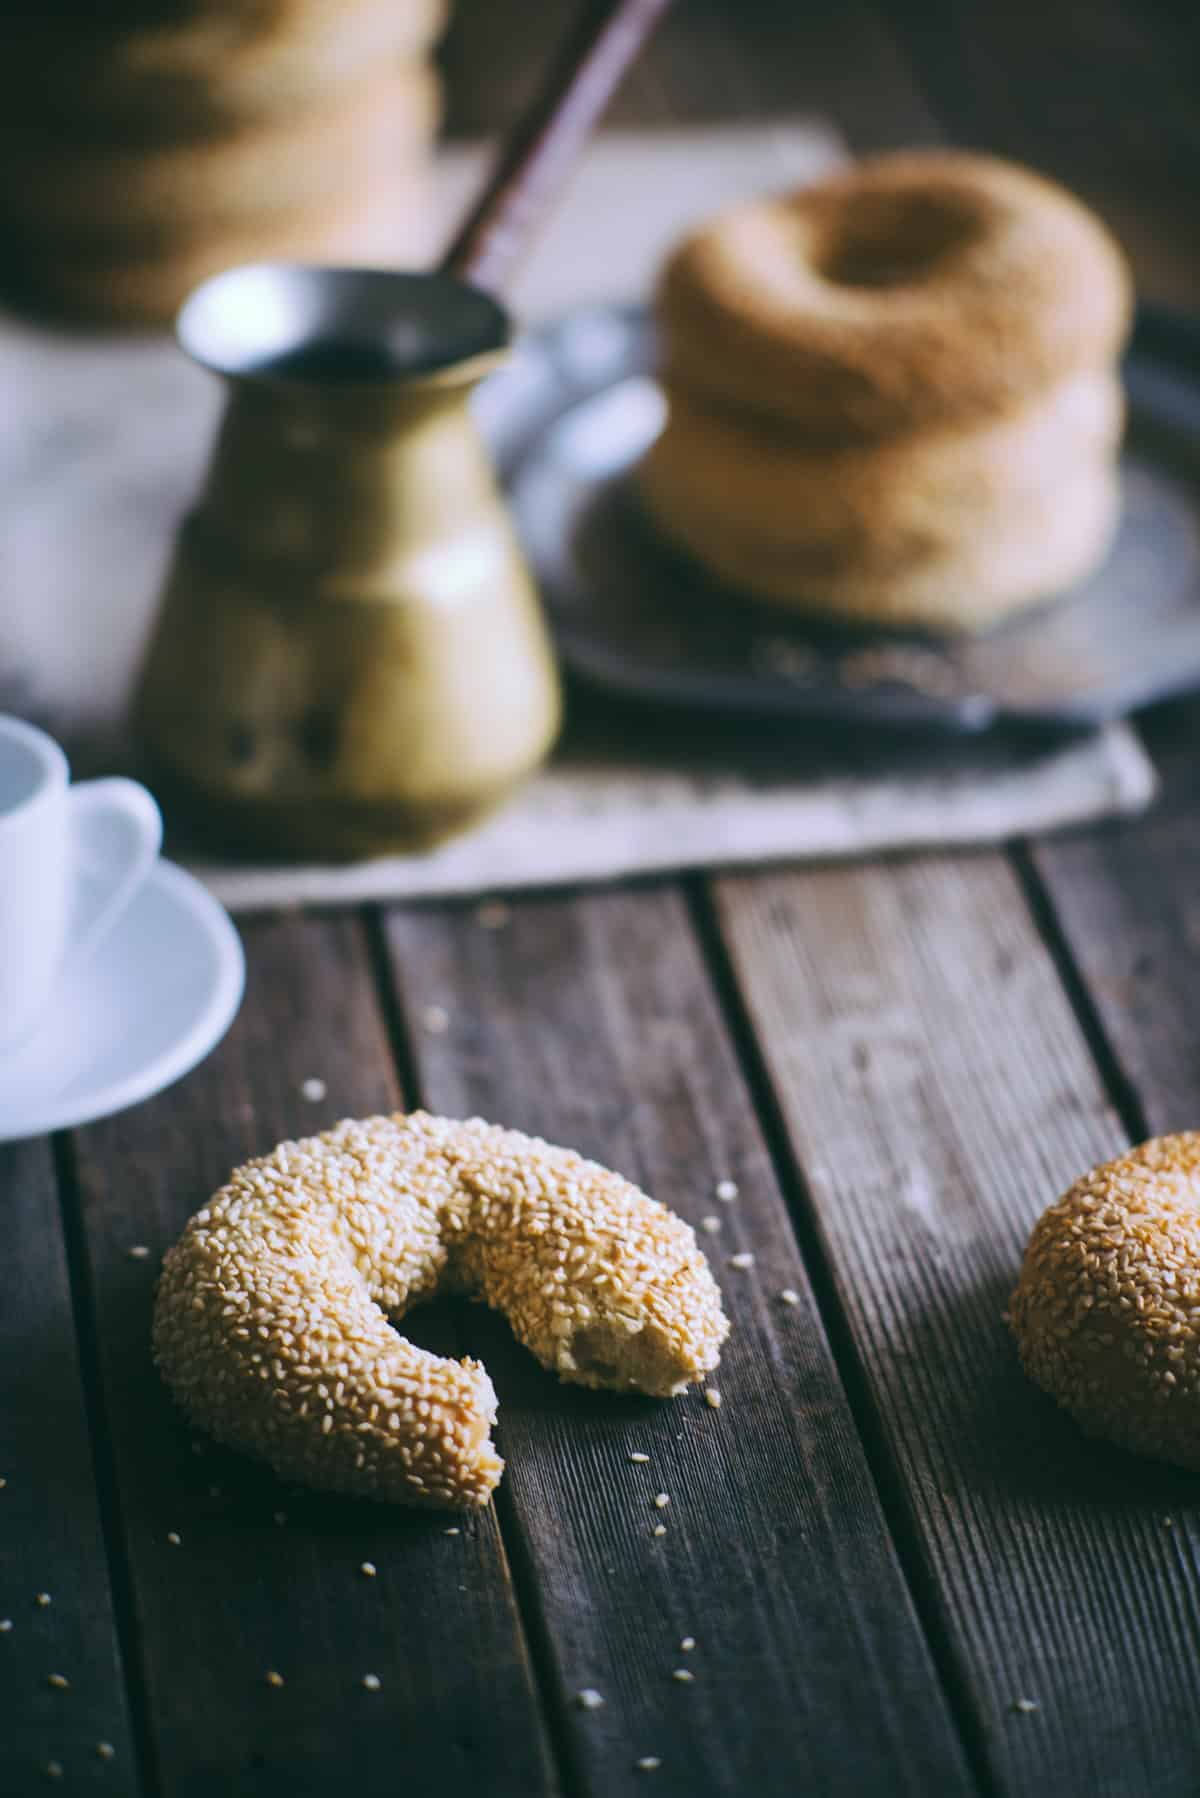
350	655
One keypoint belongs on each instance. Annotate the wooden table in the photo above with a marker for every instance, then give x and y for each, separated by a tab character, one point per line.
904	1572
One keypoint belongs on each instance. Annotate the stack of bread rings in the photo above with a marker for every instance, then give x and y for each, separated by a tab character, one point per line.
893	397
145	145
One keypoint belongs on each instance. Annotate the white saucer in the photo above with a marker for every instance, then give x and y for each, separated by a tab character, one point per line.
157	995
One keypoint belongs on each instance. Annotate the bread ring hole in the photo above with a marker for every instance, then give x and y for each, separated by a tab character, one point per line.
894	239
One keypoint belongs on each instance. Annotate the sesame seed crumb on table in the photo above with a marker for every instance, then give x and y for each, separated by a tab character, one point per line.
863	1556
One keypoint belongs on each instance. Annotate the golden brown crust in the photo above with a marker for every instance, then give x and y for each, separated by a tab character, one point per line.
385	226
1032	549
917	289
868	508
64	198
271	1319
147	80
1107	1310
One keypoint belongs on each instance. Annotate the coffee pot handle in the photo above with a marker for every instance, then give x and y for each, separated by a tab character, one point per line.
541	154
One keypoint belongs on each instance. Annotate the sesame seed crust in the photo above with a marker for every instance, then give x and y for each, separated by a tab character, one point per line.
1107	1309
272	1315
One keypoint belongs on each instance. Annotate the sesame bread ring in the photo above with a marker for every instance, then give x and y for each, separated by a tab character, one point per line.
1032	549
272	1317
71	197
1107	1310
880	503
167	80
918	289
386	225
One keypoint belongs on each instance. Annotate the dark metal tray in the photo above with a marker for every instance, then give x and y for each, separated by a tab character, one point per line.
578	405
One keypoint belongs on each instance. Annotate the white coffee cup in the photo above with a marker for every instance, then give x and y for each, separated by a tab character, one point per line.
71	860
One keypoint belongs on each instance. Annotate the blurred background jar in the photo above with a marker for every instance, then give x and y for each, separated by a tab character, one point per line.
145	145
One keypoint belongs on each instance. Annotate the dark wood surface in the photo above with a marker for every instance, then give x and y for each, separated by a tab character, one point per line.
56	1600
936	1091
592	1021
264	1578
884	1538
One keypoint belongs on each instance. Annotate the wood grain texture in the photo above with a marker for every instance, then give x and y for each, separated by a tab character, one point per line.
1126	901
243	1594
590	1021
710	61
50	1531
937	1094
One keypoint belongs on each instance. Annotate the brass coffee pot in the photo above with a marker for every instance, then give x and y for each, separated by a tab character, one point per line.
350	655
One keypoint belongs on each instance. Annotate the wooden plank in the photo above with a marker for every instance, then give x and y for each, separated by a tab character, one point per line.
1126	900
715	60
937	1094
709	61
243	1593
591	1022
50	1530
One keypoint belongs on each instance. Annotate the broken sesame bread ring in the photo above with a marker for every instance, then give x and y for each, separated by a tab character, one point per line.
918	289
272	1317
1107	1310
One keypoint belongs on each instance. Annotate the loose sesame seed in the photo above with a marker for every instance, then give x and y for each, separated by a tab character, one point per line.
106	1751
313	1089
174	1538
711	1224
493	914
638	1458
272	1678
589	1699
712	1398
648	1763
453	1532
139	1252
42	1598
436	1019
6	1624
660	1529
3	1484
688	1643
369	1568
790	1296
684	1675
1026	1705
54	1770
745	1259
59	1681
371	1681
662	1500
726	1191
